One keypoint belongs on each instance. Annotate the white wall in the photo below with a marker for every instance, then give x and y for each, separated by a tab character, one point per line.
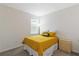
14	25
66	23
47	23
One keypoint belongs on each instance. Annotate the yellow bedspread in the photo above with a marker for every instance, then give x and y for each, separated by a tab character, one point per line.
40	43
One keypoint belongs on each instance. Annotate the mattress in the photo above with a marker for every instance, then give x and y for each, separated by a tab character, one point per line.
40	43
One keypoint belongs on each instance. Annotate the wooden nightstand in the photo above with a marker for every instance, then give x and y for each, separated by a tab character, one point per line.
65	45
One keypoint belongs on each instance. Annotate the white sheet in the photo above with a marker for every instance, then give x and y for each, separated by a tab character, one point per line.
48	52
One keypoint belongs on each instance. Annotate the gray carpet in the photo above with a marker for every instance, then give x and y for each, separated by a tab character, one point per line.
15	52
20	52
62	53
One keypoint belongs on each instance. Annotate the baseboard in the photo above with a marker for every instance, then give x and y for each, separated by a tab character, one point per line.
10	48
75	51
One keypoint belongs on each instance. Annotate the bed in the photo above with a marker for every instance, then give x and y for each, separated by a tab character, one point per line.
40	45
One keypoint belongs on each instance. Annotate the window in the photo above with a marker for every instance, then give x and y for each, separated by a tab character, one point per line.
35	28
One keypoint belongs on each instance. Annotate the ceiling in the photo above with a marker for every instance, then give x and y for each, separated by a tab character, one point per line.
39	9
